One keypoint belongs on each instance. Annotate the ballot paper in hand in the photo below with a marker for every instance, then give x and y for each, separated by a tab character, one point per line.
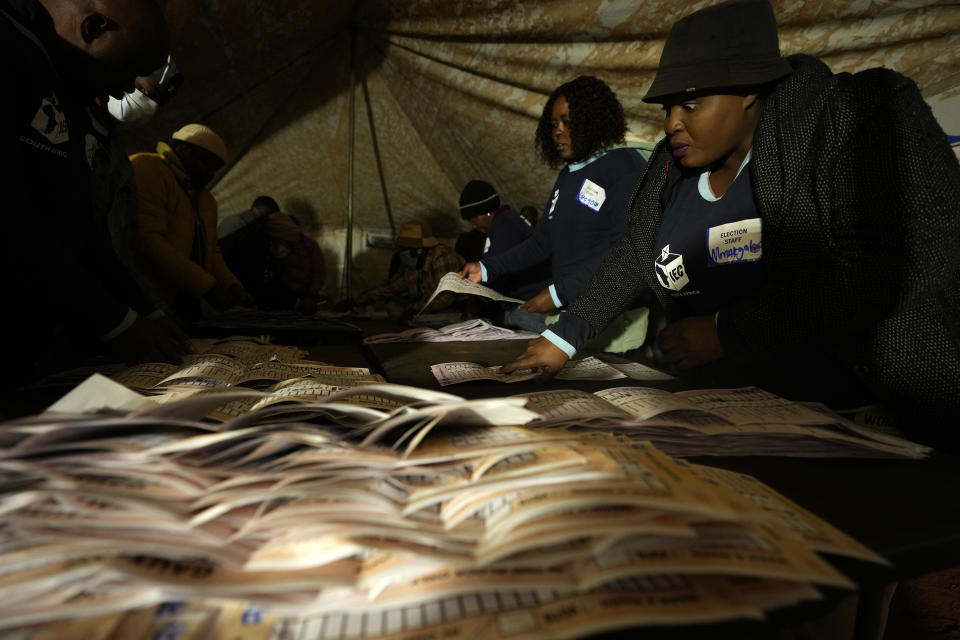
453	282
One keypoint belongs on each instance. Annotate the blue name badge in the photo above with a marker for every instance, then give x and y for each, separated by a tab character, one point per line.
592	195
734	242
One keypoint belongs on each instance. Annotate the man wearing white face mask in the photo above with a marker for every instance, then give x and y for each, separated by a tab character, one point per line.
67	294
151	93
116	198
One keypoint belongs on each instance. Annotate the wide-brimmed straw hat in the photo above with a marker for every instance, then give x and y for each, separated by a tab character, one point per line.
729	45
416	235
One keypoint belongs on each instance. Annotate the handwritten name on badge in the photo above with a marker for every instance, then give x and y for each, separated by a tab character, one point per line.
592	195
734	242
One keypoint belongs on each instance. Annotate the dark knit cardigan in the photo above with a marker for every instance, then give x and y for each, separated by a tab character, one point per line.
859	193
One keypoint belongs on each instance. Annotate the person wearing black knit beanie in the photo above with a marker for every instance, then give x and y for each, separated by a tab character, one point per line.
505	228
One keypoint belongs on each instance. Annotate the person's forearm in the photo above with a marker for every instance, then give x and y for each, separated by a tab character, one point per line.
531	251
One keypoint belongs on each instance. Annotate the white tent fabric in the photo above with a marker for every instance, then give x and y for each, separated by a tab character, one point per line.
451	90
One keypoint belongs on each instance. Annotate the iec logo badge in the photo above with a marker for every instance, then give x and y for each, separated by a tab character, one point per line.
51	121
670	271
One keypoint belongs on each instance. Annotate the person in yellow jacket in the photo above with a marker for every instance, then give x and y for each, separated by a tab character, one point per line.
176	246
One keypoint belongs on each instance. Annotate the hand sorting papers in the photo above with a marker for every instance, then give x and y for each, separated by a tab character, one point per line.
453	282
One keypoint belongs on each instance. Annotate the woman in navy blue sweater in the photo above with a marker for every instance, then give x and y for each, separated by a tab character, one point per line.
581	126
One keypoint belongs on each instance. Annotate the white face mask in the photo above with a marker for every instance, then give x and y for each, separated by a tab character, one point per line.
132	107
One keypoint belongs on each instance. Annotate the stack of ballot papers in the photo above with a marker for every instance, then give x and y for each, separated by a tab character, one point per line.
218	371
247	378
720	422
466	331
231	367
589	368
327	519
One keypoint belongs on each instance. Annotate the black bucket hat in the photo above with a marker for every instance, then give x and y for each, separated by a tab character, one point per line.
731	44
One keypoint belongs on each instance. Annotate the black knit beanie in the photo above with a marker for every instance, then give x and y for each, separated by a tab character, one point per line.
478	198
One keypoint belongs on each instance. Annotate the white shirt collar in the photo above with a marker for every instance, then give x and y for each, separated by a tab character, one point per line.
703	185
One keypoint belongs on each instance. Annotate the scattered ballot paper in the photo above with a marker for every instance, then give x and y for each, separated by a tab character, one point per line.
99	393
588	368
448	373
467	331
453	282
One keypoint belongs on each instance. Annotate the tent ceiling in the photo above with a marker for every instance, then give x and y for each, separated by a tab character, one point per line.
449	90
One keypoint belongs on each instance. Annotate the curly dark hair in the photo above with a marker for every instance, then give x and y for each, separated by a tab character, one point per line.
596	120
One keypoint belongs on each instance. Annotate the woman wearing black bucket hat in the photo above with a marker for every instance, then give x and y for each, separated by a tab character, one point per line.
800	229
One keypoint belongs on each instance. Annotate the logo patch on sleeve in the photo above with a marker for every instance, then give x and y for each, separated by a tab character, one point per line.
553	203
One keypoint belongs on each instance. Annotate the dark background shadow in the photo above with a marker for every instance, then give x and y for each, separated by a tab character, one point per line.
250	68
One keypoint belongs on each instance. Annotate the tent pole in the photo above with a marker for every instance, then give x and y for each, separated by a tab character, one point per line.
376	155
348	254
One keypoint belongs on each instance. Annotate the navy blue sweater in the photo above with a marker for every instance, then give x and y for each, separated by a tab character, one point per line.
507	231
586	215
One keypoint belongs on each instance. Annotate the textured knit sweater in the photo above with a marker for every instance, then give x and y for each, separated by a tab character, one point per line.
859	193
